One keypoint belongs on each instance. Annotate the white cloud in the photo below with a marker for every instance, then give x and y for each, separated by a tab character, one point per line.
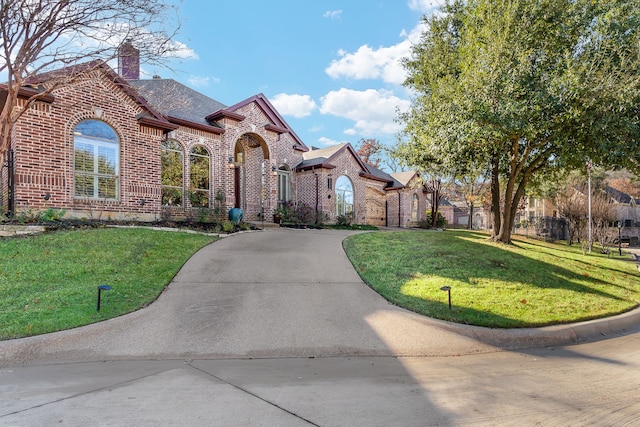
328	141
332	14
368	63
373	111
381	63
200	81
425	5
293	105
415	34
182	51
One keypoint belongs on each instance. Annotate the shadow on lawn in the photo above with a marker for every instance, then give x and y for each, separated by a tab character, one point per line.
464	258
493	262
593	257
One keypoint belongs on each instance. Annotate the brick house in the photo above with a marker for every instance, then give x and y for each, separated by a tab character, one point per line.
109	145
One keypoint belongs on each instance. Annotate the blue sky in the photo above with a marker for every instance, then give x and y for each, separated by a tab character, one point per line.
330	67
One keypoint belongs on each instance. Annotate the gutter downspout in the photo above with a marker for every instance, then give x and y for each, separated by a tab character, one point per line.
317	196
399	209
386	212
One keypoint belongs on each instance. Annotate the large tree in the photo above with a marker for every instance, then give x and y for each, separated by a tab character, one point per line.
524	86
39	36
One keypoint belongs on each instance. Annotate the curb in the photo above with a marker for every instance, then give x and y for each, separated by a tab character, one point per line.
512	339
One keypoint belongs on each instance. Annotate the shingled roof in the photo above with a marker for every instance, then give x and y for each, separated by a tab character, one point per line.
173	99
404	177
151	115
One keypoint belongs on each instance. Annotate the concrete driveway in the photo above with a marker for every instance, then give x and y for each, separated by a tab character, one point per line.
278	293
276	329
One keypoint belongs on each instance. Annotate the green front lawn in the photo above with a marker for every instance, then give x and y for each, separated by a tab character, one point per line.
530	283
49	282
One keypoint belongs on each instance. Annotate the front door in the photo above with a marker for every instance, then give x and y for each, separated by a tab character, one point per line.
250	155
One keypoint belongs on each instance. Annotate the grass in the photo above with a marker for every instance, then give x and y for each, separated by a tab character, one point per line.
49	282
530	283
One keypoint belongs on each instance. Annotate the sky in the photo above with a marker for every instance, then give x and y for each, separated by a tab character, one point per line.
330	67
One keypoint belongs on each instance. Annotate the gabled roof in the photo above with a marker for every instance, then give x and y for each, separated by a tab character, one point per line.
404	177
326	152
322	157
318	158
618	195
380	175
25	93
277	123
151	116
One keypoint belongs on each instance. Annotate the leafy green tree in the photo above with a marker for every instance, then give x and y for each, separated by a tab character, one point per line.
522	87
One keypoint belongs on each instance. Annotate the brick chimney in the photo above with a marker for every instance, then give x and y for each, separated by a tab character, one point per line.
128	61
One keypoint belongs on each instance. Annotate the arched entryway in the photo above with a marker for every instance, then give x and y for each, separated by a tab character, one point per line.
251	172
344	197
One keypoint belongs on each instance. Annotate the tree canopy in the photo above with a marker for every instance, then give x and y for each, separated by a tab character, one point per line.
520	87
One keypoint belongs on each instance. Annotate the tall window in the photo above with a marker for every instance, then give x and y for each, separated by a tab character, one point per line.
172	174
344	196
199	162
96	160
284	190
414	207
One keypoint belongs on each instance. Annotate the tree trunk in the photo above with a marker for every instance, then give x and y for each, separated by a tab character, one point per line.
435	205
495	197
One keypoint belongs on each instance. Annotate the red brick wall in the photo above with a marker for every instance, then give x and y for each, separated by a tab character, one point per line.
346	165
275	150
43	147
44	156
376	205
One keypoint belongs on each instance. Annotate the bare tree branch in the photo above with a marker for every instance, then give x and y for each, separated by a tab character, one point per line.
38	36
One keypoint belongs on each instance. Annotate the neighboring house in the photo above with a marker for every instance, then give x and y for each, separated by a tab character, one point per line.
627	207
457	214
410	200
542	214
537	208
336	181
112	146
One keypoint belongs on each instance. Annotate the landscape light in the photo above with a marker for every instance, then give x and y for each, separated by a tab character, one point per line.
448	289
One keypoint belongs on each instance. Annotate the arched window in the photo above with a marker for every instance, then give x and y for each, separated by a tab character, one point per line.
199	162
414	207
96	162
344	196
284	189
172	174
